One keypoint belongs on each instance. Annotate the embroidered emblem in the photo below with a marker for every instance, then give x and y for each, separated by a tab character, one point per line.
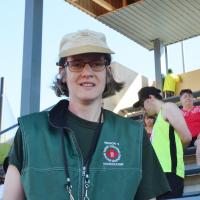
112	154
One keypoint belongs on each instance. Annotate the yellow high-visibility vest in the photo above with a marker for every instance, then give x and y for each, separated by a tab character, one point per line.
161	143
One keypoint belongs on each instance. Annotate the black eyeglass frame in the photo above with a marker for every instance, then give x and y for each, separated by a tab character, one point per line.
94	66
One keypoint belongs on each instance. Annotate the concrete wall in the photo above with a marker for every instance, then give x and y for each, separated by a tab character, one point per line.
134	82
128	95
190	80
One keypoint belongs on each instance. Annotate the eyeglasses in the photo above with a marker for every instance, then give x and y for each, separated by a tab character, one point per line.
78	66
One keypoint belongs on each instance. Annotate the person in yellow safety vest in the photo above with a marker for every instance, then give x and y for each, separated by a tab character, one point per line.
170	133
170	82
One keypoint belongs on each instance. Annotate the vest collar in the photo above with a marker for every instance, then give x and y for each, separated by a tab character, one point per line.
57	116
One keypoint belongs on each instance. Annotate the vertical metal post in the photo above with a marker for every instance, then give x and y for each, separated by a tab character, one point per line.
158	55
1	100
166	59
31	74
183	58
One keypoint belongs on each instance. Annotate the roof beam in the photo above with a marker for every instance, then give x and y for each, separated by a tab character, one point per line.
124	2
104	4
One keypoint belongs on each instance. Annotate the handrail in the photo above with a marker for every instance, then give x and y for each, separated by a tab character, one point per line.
171	99
9	128
15	125
176	98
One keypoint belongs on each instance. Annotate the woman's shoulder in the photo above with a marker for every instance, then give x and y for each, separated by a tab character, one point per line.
33	117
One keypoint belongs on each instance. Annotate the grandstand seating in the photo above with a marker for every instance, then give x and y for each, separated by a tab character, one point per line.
192	174
192	171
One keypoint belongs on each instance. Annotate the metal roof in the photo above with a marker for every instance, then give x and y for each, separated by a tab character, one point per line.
169	21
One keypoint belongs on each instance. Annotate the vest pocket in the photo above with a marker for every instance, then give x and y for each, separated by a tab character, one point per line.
41	184
117	184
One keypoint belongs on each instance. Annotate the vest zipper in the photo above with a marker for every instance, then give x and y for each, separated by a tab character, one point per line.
83	182
83	168
84	177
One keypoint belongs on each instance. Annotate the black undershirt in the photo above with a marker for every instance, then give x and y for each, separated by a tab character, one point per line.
84	132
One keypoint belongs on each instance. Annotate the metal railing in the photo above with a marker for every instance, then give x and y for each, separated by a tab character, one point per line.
15	125
136	113
175	99
8	129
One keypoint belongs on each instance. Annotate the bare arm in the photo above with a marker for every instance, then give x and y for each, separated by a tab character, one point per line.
13	189
174	116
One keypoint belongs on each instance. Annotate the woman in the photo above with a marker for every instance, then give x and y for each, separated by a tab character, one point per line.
148	123
78	150
170	134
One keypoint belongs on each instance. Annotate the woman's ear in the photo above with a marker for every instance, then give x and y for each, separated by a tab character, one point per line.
108	74
151	96
61	74
60	71
109	68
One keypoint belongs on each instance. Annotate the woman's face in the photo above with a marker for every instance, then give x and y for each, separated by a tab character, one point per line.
149	106
186	100
148	121
86	84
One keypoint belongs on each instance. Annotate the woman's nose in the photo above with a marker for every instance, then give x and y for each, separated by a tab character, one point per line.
87	68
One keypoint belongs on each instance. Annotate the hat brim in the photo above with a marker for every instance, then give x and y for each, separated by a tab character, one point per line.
85	49
137	104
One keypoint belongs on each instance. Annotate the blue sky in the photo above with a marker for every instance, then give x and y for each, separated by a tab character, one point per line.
60	18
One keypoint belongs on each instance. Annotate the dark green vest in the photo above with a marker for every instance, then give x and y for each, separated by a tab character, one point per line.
115	169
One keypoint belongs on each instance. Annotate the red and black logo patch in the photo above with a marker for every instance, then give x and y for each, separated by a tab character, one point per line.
112	153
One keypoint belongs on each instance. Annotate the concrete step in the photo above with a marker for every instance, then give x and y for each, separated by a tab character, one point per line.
190	155
190	150
192	188
192	169
192	180
189	196
190	159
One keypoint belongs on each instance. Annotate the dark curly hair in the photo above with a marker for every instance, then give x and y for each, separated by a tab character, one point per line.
112	86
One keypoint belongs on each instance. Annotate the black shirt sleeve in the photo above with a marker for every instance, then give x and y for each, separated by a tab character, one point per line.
16	153
153	182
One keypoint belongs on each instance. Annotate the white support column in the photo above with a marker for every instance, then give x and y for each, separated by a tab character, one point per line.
166	59
31	74
1	99
160	64
183	57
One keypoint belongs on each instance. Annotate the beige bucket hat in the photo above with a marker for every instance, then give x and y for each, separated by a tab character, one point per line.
84	41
